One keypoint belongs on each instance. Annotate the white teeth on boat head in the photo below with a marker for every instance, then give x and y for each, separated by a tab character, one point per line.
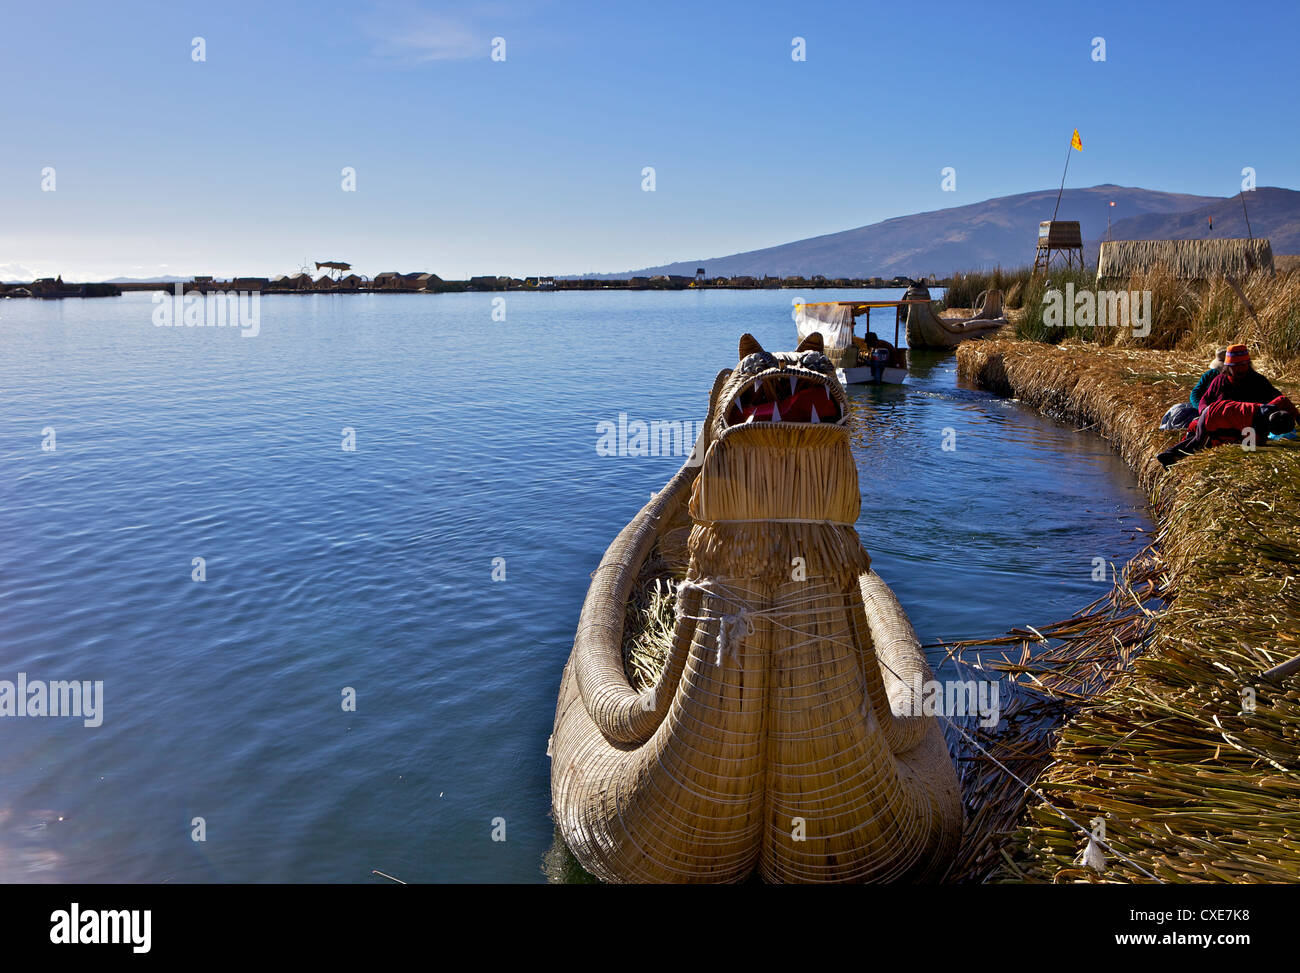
813	410
793	380
758	386
776	413
749	419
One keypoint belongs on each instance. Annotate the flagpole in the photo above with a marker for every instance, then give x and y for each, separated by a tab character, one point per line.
1062	189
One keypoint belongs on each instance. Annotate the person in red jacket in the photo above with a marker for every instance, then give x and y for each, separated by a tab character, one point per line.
1241	383
1227	421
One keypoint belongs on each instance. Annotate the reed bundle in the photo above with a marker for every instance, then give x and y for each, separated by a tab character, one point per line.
651	612
1192	758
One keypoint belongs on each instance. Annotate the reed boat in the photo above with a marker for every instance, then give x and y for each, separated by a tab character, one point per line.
925	329
743	693
866	360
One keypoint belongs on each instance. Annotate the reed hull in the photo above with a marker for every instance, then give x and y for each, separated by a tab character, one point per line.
794	753
925	329
784	733
798	782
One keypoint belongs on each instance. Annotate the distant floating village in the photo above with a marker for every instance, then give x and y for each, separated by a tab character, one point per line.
342	281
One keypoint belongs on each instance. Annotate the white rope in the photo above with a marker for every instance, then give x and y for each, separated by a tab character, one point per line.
732	633
735	627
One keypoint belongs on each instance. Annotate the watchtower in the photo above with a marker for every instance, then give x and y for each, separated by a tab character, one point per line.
1057	238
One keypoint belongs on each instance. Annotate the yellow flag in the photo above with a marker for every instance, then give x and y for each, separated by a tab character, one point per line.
1076	141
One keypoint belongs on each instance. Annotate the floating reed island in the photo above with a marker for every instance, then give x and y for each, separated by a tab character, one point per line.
1190	756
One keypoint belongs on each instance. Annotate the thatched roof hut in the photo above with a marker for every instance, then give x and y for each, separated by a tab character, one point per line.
1187	259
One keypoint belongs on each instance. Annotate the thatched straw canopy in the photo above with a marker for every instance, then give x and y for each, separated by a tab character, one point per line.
1188	259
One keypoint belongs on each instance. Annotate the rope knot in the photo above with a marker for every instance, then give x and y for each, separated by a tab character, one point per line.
732	632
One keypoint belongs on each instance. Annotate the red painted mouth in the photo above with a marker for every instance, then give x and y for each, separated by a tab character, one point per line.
782	397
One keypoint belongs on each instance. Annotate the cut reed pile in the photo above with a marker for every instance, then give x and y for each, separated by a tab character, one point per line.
1191	759
1055	672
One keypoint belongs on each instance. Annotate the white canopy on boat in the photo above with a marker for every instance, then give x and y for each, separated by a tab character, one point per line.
833	320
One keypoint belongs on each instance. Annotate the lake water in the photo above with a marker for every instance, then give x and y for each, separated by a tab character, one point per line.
372	570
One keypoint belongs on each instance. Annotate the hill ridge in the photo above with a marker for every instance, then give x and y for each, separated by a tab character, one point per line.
1001	231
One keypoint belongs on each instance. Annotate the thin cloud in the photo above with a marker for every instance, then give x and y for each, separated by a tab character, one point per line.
409	35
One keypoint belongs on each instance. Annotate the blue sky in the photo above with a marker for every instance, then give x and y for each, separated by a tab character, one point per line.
465	165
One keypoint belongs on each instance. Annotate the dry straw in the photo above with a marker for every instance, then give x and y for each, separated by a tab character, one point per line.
1188	311
1050	674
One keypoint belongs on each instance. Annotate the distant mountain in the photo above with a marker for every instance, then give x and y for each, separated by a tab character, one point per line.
1002	232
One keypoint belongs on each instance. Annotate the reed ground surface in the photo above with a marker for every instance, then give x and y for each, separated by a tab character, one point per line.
1188	756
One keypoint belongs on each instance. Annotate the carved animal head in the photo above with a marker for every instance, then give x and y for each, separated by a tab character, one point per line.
785	388
778	473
